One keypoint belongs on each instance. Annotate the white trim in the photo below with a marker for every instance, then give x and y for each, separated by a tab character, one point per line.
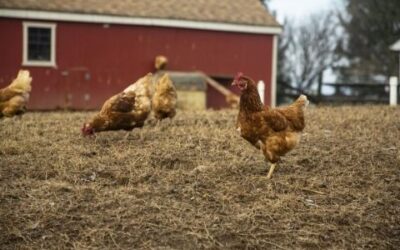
25	60
90	18
274	70
395	46
261	90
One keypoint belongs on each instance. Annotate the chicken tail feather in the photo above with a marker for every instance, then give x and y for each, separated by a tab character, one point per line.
22	83
303	101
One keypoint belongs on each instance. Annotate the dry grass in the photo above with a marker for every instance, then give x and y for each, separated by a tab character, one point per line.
194	183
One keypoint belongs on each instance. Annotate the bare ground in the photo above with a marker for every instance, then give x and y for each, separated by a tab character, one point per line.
194	183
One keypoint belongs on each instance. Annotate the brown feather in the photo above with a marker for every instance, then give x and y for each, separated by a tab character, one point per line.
13	98
124	111
275	131
164	99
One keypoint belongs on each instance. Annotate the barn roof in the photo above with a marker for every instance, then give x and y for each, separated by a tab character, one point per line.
245	12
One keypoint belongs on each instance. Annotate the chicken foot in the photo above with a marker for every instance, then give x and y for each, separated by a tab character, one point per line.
271	170
127	135
263	149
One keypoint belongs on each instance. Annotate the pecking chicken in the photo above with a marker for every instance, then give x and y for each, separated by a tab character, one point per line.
124	111
14	97
164	99
275	131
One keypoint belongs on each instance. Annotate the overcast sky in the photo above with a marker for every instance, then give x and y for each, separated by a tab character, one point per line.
301	8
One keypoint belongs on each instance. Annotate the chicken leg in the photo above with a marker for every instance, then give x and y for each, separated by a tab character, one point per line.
127	135
263	149
271	170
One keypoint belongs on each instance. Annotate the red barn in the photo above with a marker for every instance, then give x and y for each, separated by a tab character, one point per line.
81	52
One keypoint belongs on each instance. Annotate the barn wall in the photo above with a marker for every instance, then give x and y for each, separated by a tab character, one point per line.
95	61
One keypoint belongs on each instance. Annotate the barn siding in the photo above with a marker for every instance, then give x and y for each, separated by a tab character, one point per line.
95	61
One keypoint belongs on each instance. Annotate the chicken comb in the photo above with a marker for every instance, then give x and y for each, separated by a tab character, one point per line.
238	76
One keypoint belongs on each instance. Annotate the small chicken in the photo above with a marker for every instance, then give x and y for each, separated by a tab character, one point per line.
275	131
14	97
164	99
124	111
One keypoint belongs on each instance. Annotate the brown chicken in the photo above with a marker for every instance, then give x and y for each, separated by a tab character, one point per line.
14	97
164	99
275	131
124	111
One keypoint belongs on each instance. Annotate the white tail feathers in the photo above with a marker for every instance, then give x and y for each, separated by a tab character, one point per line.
22	83
140	83
304	99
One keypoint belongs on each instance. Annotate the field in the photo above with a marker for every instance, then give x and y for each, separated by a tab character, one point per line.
194	183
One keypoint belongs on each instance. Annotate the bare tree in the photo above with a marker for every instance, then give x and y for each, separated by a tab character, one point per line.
285	40
264	2
310	49
370	27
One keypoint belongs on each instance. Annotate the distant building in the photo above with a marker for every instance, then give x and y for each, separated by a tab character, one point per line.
80	53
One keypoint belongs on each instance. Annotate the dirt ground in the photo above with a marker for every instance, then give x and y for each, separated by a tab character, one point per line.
194	183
